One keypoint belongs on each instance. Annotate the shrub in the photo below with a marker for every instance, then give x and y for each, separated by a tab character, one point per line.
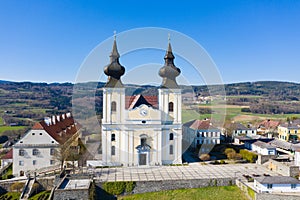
129	186
17	186
249	156
117	188
222	162
205	157
228	151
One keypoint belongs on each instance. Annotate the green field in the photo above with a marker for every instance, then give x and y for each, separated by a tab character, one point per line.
208	193
6	128
231	112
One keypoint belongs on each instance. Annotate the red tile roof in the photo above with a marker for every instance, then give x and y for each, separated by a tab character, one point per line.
37	126
8	155
199	124
135	101
61	130
269	124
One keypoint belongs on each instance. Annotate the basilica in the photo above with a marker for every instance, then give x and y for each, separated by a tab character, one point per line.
141	130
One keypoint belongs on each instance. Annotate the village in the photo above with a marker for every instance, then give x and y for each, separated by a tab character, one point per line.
145	147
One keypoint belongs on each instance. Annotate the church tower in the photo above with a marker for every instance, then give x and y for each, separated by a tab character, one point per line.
113	107
169	95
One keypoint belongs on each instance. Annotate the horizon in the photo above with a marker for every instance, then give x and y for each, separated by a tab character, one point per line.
249	41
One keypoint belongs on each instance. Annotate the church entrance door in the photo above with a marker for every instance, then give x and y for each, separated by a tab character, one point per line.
142	159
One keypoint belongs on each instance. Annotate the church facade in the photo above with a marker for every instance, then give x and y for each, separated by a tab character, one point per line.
141	130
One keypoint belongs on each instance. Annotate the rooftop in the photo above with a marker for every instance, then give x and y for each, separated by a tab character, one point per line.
200	125
277	180
263	145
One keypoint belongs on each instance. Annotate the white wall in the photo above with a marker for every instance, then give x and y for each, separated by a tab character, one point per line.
34	139
276	187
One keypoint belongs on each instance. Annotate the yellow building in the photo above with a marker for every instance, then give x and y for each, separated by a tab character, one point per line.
289	132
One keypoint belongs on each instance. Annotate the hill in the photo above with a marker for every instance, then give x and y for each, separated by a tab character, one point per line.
23	103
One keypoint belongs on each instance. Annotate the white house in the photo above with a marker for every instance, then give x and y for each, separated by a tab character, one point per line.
141	130
37	148
239	129
197	132
297	157
278	184
263	148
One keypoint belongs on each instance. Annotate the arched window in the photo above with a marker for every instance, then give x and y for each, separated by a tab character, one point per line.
113	106
113	137
198	134
171	136
113	150
171	149
171	107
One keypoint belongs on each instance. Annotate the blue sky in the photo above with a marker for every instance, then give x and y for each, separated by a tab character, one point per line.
46	41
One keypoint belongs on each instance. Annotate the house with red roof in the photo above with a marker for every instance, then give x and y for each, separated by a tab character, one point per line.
37	148
7	158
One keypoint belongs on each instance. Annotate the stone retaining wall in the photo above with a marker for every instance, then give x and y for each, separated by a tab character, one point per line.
154	186
268	196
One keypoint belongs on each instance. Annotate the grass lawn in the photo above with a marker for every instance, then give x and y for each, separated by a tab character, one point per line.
6	128
1	121
8	173
41	196
10	195
208	193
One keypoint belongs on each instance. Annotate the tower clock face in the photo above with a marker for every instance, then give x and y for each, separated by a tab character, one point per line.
143	112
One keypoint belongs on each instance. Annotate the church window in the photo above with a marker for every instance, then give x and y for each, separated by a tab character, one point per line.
171	137
113	106
113	150
113	137
171	107
171	149
198	134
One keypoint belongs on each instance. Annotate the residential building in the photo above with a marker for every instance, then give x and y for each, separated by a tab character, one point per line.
289	131
140	130
197	132
239	129
273	184
297	157
37	148
263	148
268	126
7	158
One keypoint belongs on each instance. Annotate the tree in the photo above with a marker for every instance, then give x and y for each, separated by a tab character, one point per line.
61	154
35	188
18	186
205	157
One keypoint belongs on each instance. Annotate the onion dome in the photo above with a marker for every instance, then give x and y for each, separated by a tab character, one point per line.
114	70
169	71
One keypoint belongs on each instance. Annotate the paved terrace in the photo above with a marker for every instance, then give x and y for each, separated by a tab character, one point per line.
192	171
